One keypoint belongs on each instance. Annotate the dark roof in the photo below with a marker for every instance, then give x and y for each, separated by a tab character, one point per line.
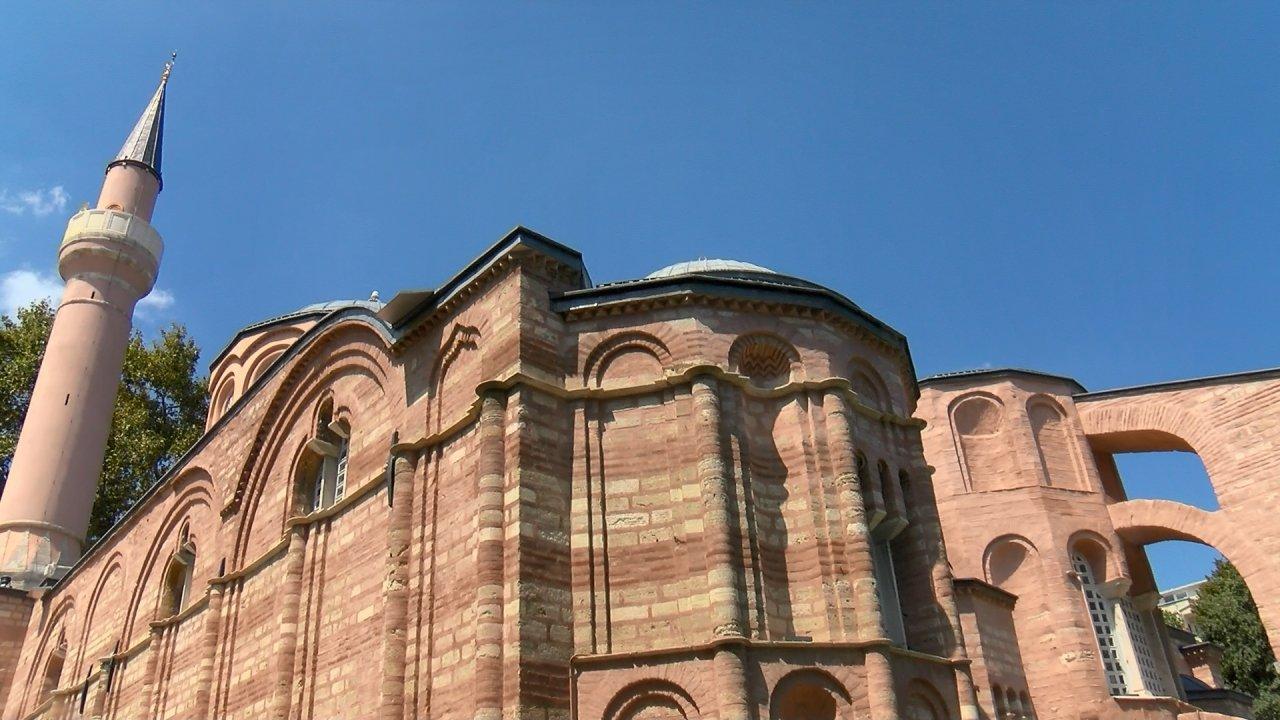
1246	376
983	373
316	310
145	144
409	305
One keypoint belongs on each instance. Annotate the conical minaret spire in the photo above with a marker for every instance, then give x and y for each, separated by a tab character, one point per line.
145	144
109	258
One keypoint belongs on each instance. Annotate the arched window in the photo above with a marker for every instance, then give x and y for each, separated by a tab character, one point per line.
177	578
1025	701
1104	627
1011	701
53	669
324	471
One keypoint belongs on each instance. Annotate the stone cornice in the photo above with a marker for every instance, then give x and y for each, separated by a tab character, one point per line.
677	379
578	660
814	303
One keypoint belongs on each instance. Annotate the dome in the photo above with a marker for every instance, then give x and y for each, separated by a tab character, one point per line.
708	266
372	305
327	307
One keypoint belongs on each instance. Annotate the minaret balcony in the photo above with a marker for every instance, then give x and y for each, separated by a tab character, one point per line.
113	225
97	240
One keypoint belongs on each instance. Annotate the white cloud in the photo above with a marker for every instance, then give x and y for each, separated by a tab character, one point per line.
155	304
21	287
38	202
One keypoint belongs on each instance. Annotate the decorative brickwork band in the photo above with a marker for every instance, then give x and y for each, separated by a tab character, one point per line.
395	589
489	556
287	644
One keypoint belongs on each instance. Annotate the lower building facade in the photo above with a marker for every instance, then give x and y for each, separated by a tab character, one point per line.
716	492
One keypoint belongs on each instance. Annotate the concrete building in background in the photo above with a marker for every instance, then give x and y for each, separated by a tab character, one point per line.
1180	602
713	492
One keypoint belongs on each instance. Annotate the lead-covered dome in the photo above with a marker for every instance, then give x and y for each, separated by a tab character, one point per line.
704	265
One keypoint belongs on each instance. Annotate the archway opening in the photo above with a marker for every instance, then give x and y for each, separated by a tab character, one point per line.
1172	543
1169	475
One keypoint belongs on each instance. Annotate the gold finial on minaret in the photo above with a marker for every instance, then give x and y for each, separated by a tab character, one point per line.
168	66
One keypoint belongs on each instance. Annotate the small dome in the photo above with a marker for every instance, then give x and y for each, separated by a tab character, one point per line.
708	266
332	305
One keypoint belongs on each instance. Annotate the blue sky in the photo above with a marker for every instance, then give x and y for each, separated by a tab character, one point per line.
1084	189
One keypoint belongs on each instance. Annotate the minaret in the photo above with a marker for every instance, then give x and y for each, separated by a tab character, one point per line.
109	258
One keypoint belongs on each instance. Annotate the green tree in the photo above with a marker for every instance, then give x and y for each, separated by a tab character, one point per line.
1226	615
1172	619
159	412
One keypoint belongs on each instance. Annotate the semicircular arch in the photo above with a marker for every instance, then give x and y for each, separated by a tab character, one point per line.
296	402
197	496
632	700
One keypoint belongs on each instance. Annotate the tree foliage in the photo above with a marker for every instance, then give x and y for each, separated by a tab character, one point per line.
1227	615
159	412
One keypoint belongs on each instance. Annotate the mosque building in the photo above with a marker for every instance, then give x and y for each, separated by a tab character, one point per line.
715	492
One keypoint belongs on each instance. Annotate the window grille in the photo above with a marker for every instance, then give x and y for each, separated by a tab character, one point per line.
1103	626
1143	654
340	478
317	492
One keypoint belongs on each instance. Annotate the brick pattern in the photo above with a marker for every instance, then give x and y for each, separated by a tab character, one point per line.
1016	516
652	511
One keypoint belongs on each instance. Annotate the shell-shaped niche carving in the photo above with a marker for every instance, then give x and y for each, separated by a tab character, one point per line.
767	360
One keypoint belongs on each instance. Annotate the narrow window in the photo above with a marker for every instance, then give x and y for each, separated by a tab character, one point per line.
1103	626
317	487
177	580
1143	652
53	670
340	479
887	592
323	473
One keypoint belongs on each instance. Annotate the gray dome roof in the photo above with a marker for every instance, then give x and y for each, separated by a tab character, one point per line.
332	305
704	265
